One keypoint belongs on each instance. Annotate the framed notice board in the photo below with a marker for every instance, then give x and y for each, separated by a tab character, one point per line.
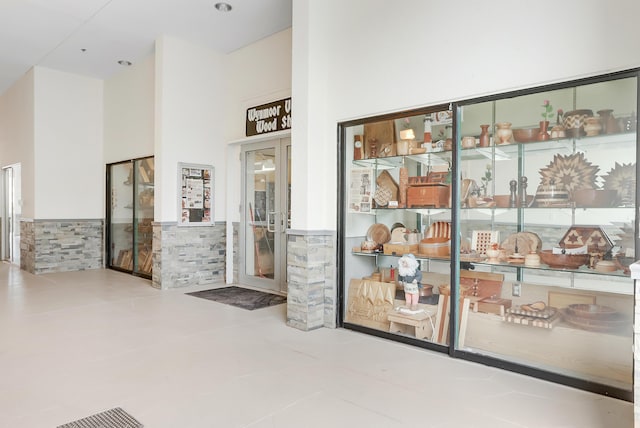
195	194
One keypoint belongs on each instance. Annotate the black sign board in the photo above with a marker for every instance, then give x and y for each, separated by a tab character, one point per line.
272	117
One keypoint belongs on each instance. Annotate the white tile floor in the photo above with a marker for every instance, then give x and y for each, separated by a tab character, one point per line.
75	344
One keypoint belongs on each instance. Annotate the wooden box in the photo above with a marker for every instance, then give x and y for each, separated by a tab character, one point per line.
436	195
429	190
399	249
482	284
492	305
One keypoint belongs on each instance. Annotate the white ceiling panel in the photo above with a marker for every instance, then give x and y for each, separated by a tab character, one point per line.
51	33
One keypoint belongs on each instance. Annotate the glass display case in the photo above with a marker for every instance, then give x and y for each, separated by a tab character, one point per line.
130	216
520	210
397	201
554	213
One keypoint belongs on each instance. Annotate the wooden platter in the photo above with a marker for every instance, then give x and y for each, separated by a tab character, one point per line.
379	233
525	242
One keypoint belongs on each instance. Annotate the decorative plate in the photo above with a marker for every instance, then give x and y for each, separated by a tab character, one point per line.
522	243
622	179
571	171
379	233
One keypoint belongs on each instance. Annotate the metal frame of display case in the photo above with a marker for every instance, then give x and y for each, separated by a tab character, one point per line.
134	208
452	347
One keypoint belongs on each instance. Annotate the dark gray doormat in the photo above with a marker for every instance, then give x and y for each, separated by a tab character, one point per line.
241	297
113	418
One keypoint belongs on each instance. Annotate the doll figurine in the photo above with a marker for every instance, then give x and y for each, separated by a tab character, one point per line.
410	278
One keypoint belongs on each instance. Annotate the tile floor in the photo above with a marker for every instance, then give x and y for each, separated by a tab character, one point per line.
75	344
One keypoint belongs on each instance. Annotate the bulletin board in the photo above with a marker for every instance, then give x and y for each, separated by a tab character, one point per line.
195	194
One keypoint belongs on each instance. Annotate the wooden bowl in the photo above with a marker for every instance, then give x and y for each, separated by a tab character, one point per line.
591	311
525	135
563	261
435	247
606	266
593	198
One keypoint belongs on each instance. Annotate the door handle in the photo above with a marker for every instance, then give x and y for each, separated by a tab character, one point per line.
270	216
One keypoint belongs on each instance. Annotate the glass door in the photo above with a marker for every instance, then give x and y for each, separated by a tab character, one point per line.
143	215
266	214
12	210
130	217
120	225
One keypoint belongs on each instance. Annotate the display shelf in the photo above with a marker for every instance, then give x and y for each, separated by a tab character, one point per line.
436	158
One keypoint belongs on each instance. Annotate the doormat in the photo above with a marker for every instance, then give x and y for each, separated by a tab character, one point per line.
113	418
241	297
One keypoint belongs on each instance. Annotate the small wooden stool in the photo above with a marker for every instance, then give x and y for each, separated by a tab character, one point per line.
420	324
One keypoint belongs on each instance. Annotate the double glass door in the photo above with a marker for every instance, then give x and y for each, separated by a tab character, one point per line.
266	214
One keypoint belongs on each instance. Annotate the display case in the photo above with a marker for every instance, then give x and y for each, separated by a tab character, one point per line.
398	202
523	209
130	216
557	188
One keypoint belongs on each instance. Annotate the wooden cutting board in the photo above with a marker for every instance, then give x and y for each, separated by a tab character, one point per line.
386	180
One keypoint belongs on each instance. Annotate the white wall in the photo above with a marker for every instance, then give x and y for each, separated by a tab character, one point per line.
256	74
16	136
69	166
365	57
128	112
189	120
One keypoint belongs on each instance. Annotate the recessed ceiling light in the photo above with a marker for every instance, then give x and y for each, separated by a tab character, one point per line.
223	7
124	63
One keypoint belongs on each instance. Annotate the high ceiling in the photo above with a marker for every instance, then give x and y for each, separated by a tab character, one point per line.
89	37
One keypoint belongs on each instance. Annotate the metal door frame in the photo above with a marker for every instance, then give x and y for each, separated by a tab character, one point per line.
278	284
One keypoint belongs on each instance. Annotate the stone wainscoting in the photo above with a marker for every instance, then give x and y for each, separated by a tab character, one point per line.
188	255
311	274
61	245
236	251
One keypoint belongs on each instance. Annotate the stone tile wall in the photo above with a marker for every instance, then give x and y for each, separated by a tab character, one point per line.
236	251
188	255
27	246
61	245
311	275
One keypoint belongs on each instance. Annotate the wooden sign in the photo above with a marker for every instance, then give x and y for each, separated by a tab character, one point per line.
272	117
